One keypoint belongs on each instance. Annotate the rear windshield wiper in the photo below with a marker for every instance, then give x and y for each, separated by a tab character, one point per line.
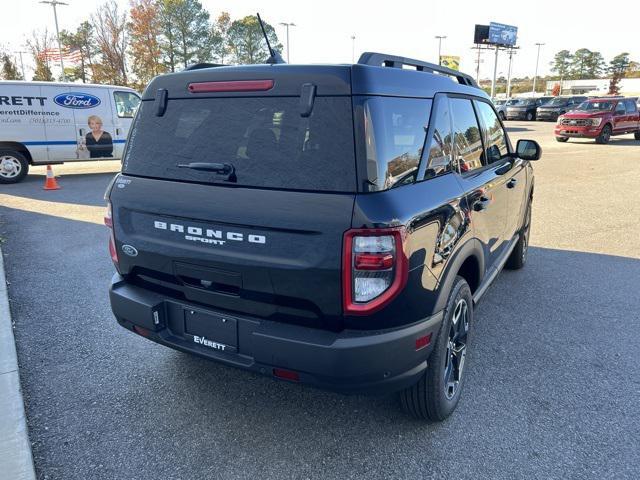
221	168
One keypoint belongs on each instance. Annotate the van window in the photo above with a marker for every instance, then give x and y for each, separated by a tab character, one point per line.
265	139
395	131
467	139
126	103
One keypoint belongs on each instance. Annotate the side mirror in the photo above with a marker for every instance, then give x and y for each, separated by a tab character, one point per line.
528	150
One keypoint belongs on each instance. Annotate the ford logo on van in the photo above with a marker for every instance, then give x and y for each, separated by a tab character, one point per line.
76	100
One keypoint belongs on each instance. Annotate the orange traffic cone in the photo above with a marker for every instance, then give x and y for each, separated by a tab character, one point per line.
50	183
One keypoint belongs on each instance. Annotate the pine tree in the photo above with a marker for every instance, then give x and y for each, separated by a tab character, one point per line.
187	33
9	69
247	43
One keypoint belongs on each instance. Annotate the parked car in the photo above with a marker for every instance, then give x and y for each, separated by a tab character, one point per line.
49	123
501	107
523	109
599	119
558	106
304	230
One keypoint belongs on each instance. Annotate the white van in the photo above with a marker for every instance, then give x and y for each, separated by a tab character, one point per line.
48	123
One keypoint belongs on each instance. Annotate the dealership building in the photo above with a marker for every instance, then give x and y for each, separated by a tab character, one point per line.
596	86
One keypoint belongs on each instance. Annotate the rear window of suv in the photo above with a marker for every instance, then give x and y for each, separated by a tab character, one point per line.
265	139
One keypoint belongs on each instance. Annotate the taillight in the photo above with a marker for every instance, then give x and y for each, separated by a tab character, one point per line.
231	86
374	268
108	221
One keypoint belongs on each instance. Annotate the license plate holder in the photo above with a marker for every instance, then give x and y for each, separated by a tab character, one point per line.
218	332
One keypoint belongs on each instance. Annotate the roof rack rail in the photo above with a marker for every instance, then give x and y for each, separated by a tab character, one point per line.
384	60
198	66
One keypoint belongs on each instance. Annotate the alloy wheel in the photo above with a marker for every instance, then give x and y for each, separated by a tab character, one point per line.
456	348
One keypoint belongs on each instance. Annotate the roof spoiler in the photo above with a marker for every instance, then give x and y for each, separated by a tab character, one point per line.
198	66
383	60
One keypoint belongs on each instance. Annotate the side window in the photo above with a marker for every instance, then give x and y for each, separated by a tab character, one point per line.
126	103
440	159
495	140
620	110
631	106
467	141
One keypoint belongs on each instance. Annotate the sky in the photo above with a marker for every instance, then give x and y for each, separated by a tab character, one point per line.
324	28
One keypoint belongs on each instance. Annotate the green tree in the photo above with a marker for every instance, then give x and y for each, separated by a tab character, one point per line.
83	41
619	64
9	69
187	33
562	63
580	63
246	42
595	65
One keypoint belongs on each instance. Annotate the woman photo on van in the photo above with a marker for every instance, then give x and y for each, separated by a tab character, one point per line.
98	142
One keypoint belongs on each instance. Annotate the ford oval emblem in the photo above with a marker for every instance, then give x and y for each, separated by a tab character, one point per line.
130	250
76	100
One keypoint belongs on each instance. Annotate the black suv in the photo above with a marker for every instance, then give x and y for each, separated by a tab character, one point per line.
558	106
333	225
524	108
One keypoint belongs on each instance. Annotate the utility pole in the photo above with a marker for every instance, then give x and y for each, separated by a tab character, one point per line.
24	77
440	38
536	75
509	74
495	71
353	49
287	25
54	3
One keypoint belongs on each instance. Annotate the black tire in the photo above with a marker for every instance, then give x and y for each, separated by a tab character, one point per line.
636	135
562	139
605	135
529	117
518	256
14	166
502	116
435	396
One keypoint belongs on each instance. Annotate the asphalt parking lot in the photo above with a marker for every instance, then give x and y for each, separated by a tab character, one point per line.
554	381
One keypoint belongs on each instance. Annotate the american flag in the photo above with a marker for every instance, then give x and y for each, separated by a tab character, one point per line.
68	55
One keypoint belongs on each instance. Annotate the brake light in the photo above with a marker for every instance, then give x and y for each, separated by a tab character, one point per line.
108	221
374	268
232	86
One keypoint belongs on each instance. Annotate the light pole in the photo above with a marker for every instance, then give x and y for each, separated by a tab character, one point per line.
440	38
495	72
353	49
54	3
287	25
536	75
24	77
511	52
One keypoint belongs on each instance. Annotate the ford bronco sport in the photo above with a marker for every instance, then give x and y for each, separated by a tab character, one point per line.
333	225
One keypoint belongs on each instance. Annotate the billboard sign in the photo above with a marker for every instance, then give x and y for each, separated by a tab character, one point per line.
501	34
450	61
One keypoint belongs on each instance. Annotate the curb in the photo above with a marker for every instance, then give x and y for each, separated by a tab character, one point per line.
16	460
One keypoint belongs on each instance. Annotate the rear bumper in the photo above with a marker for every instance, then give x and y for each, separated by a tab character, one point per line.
517	115
349	361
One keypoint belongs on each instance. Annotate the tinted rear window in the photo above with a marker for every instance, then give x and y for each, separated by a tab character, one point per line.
266	139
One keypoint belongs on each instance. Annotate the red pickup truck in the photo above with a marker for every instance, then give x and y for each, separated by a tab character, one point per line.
600	118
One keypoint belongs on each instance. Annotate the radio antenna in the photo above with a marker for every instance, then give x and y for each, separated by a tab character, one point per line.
274	55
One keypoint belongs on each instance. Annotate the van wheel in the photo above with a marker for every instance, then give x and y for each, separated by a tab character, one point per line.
518	256
604	136
437	393
562	139
14	166
636	135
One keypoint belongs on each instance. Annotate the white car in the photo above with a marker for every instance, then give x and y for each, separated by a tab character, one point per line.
49	123
501	107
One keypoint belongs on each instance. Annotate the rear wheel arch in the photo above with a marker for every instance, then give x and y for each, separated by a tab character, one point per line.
467	263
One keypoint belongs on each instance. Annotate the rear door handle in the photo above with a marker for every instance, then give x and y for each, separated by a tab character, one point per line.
512	183
481	204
